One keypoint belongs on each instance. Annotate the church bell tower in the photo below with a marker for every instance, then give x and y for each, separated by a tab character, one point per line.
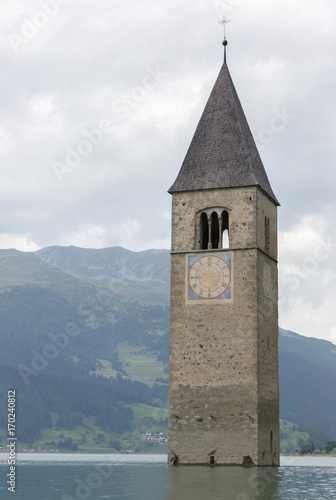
223	371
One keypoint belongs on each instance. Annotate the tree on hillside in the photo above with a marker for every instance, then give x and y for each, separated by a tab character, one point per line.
330	446
306	448
319	438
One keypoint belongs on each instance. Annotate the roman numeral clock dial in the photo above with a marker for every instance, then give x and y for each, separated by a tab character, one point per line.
209	277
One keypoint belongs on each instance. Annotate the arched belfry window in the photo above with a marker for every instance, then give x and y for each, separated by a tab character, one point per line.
213	229
225	229
204	231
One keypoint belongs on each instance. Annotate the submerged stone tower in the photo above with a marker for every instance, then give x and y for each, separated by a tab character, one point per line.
223	374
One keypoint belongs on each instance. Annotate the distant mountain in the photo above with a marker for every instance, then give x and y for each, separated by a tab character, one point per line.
41	306
116	265
38	299
147	272
307	381
22	268
317	351
118	300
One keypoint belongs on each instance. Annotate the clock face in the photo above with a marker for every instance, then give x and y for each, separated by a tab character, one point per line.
209	277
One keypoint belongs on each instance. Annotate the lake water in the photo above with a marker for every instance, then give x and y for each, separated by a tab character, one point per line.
147	477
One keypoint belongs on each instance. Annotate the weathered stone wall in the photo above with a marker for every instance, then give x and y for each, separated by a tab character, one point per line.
213	368
268	369
266	208
223	383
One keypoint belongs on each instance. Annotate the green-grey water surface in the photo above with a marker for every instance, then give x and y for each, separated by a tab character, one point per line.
147	477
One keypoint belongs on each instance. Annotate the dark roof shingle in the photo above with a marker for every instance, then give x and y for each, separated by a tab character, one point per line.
222	153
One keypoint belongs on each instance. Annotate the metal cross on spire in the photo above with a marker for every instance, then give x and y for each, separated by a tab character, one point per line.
224	21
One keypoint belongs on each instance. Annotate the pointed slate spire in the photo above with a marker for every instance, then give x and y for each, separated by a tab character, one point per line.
222	153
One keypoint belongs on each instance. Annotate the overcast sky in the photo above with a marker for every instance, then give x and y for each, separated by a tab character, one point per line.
99	102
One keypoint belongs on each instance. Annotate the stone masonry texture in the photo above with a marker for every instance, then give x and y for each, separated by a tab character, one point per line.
223	380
